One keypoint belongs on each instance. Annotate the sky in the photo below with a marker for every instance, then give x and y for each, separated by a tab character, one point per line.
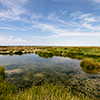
50	22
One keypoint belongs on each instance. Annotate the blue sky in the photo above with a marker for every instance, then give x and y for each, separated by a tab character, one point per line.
50	22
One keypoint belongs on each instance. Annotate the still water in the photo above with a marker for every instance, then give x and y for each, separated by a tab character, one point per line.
24	70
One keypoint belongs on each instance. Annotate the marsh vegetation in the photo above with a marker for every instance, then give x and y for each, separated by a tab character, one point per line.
45	91
56	68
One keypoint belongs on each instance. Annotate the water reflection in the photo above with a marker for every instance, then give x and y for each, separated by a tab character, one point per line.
27	69
46	55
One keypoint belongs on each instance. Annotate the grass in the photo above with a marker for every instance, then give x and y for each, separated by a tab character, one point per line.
43	92
90	65
5	88
65	51
90	56
2	73
46	92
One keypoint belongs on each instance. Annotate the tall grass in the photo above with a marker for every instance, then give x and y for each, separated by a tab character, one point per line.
43	92
5	88
90	65
2	73
46	92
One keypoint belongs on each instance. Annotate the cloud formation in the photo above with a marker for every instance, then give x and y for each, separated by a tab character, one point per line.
10	40
53	17
12	9
97	1
46	20
7	28
58	32
88	21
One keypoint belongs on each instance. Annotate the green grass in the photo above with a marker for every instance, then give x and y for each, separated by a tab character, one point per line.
90	65
46	92
5	88
74	52
43	92
2	73
90	56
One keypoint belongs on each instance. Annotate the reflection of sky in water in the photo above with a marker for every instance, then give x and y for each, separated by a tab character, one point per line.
34	61
26	67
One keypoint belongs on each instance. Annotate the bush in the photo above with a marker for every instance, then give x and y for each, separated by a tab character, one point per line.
19	52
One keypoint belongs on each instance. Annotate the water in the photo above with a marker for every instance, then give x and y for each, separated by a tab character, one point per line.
24	70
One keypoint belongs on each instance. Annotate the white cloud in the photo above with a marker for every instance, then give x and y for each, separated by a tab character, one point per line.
80	25
12	9
78	29
85	17
97	1
35	16
91	19
11	40
89	26
53	17
82	16
79	15
13	28
7	28
63	11
87	21
58	32
49	28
